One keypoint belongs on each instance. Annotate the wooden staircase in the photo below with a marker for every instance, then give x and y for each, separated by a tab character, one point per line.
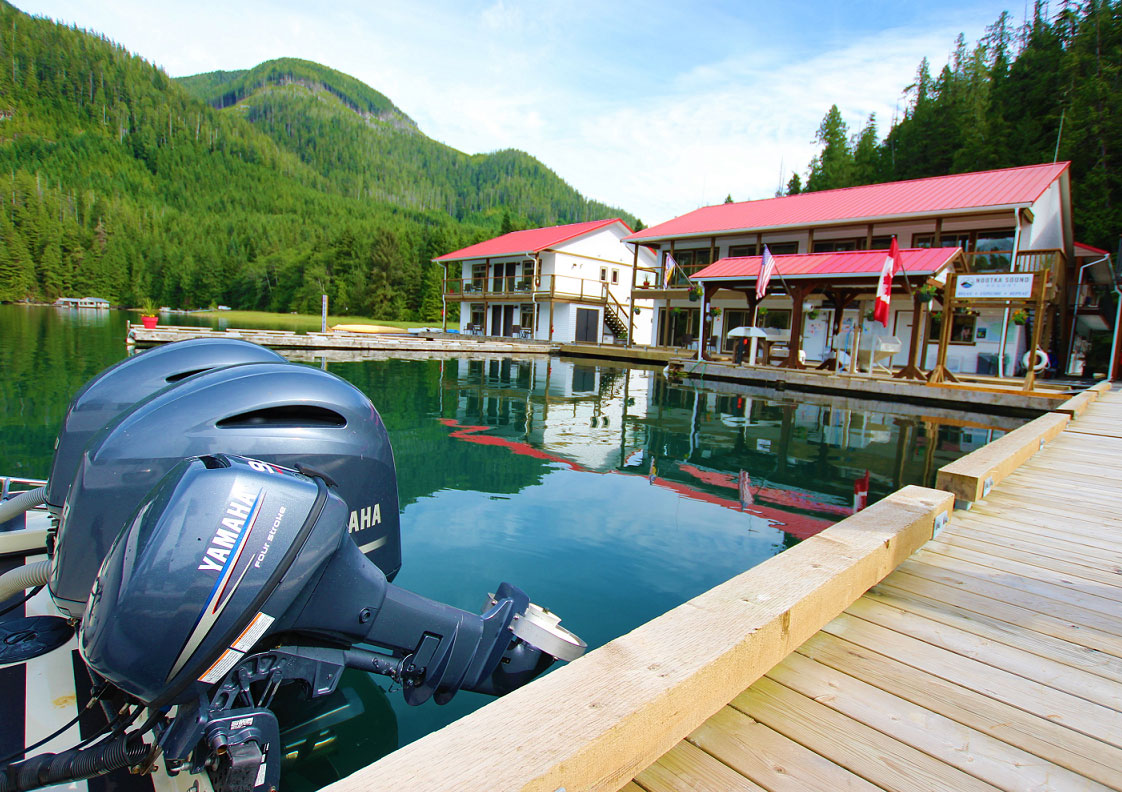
617	319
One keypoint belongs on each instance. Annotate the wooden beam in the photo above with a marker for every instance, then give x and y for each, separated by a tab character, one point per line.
596	723
912	370
970	477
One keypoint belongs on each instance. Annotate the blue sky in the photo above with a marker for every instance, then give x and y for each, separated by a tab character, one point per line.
656	107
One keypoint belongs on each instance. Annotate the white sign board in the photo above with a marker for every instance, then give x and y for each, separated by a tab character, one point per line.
1002	286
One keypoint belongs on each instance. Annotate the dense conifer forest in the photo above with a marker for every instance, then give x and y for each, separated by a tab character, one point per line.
265	188
258	189
1048	90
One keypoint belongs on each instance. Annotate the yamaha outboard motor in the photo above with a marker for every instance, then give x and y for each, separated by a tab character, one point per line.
289	415
120	386
236	576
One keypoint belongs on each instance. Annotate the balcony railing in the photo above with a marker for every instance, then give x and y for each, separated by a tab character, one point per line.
550	287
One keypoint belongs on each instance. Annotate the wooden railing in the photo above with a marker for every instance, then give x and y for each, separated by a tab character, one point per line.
1027	261
566	287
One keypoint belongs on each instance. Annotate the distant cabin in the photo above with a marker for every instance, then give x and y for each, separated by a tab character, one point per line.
82	302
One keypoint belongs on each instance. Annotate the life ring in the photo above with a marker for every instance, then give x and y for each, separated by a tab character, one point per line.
1041	362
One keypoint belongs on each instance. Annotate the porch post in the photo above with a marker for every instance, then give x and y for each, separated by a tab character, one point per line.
799	295
911	370
631	302
940	373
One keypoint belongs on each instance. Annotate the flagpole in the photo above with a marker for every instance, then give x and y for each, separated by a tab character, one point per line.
900	261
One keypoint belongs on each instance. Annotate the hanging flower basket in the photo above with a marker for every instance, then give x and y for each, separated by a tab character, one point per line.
1020	317
926	293
695	293
714	312
812	313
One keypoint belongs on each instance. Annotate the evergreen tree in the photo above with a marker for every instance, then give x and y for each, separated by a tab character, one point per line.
833	167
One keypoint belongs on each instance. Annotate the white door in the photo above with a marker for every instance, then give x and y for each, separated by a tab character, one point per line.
816	336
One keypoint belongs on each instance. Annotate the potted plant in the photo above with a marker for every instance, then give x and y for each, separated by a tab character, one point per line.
926	292
1020	316
695	293
148	316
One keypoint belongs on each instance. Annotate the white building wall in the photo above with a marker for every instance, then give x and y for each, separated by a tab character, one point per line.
1047	230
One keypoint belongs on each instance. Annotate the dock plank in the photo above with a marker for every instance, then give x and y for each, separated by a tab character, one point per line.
689	765
769	758
1031	733
978	754
875	756
984	625
994	652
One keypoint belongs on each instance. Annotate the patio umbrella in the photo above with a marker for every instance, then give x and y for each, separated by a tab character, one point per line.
748	332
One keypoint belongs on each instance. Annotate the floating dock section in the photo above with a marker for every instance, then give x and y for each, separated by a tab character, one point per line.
342	341
907	647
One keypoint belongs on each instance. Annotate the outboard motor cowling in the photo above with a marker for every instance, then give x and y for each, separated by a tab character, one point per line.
236	576
285	414
120	386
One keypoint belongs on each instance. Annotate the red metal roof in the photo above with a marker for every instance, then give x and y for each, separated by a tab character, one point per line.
533	240
847	264
1085	251
937	195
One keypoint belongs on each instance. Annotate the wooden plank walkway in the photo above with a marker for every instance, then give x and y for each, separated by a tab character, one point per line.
991	659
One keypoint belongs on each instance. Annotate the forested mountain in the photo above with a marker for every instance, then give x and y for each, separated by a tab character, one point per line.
116	180
1051	89
367	148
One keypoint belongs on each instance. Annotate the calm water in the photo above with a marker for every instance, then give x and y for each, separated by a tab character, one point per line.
538	471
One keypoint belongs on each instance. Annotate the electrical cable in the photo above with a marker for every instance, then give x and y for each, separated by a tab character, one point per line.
21	601
89	705
27	749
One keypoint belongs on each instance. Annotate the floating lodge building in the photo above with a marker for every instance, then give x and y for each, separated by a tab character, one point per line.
600	283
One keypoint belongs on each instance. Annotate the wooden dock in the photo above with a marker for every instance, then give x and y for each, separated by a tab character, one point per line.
991	659
285	340
973	392
906	647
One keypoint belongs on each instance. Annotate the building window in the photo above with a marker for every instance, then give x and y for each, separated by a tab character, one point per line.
615	276
781	248
476	315
734	317
603	273
478	278
775	318
835	245
986	251
526	318
962	328
739	251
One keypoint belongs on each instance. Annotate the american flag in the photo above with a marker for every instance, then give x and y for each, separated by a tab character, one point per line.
767	267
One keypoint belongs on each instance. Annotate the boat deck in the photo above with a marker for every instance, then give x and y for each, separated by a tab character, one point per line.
992	658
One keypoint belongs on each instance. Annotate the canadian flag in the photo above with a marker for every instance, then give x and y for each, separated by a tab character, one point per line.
884	287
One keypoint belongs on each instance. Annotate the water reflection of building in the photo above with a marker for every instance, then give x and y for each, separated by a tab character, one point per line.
802	455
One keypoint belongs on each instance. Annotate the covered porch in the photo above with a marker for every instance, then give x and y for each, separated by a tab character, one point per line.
841	281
